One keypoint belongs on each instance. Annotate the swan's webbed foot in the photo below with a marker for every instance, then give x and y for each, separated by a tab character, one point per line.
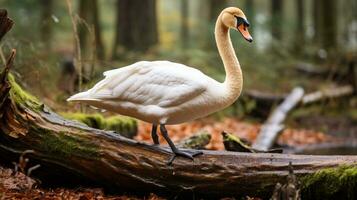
190	154
183	153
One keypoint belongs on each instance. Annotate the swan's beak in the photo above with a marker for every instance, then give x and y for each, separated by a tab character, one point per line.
243	29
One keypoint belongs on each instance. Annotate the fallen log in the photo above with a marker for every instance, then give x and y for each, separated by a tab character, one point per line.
273	126
70	151
327	93
265	101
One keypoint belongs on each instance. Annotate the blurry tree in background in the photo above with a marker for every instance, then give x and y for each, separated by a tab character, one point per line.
300	26
136	25
45	23
325	23
89	28
249	12
215	7
329	20
277	17
184	24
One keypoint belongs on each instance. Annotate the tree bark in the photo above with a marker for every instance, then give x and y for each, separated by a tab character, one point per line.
215	8
184	34
89	12
136	25
250	12
329	26
69	151
300	30
277	17
325	23
45	23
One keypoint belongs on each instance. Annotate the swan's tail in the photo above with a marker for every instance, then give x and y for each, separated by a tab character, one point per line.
82	96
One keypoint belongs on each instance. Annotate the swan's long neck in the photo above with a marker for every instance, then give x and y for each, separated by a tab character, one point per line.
234	78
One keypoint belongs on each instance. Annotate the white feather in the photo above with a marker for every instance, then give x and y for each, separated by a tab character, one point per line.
156	92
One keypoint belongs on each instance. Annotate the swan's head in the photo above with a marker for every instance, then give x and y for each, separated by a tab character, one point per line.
234	18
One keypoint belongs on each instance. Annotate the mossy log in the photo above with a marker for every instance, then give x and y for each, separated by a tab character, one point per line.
70	152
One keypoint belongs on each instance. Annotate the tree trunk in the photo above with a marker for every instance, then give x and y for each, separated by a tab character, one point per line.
325	23
70	152
215	8
136	25
300	30
277	18
329	24
89	12
184	24
45	23
249	6
317	21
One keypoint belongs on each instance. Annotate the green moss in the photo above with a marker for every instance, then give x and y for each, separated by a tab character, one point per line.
21	97
333	183
67	145
233	143
91	120
126	126
197	141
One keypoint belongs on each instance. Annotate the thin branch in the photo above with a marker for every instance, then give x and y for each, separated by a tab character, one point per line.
78	55
8	65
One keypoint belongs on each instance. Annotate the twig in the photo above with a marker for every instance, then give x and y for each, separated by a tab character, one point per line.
8	65
2	55
78	55
31	169
91	32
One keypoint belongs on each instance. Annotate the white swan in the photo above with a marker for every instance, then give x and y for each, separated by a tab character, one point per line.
163	92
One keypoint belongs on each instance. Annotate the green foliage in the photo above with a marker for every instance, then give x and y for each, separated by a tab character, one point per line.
333	183
126	126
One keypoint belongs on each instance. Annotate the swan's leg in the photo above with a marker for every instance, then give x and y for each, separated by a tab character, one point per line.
175	150
154	136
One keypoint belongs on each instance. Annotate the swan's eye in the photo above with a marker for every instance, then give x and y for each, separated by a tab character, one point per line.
241	20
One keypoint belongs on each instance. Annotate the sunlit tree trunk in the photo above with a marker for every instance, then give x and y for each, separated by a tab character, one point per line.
89	12
277	17
45	23
184	24
136	25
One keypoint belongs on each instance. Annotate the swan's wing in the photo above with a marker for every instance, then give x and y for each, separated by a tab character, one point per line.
159	83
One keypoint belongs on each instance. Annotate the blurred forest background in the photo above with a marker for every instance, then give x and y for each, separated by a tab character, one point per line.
64	48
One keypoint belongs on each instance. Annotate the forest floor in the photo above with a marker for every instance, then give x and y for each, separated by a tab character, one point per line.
247	131
16	185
